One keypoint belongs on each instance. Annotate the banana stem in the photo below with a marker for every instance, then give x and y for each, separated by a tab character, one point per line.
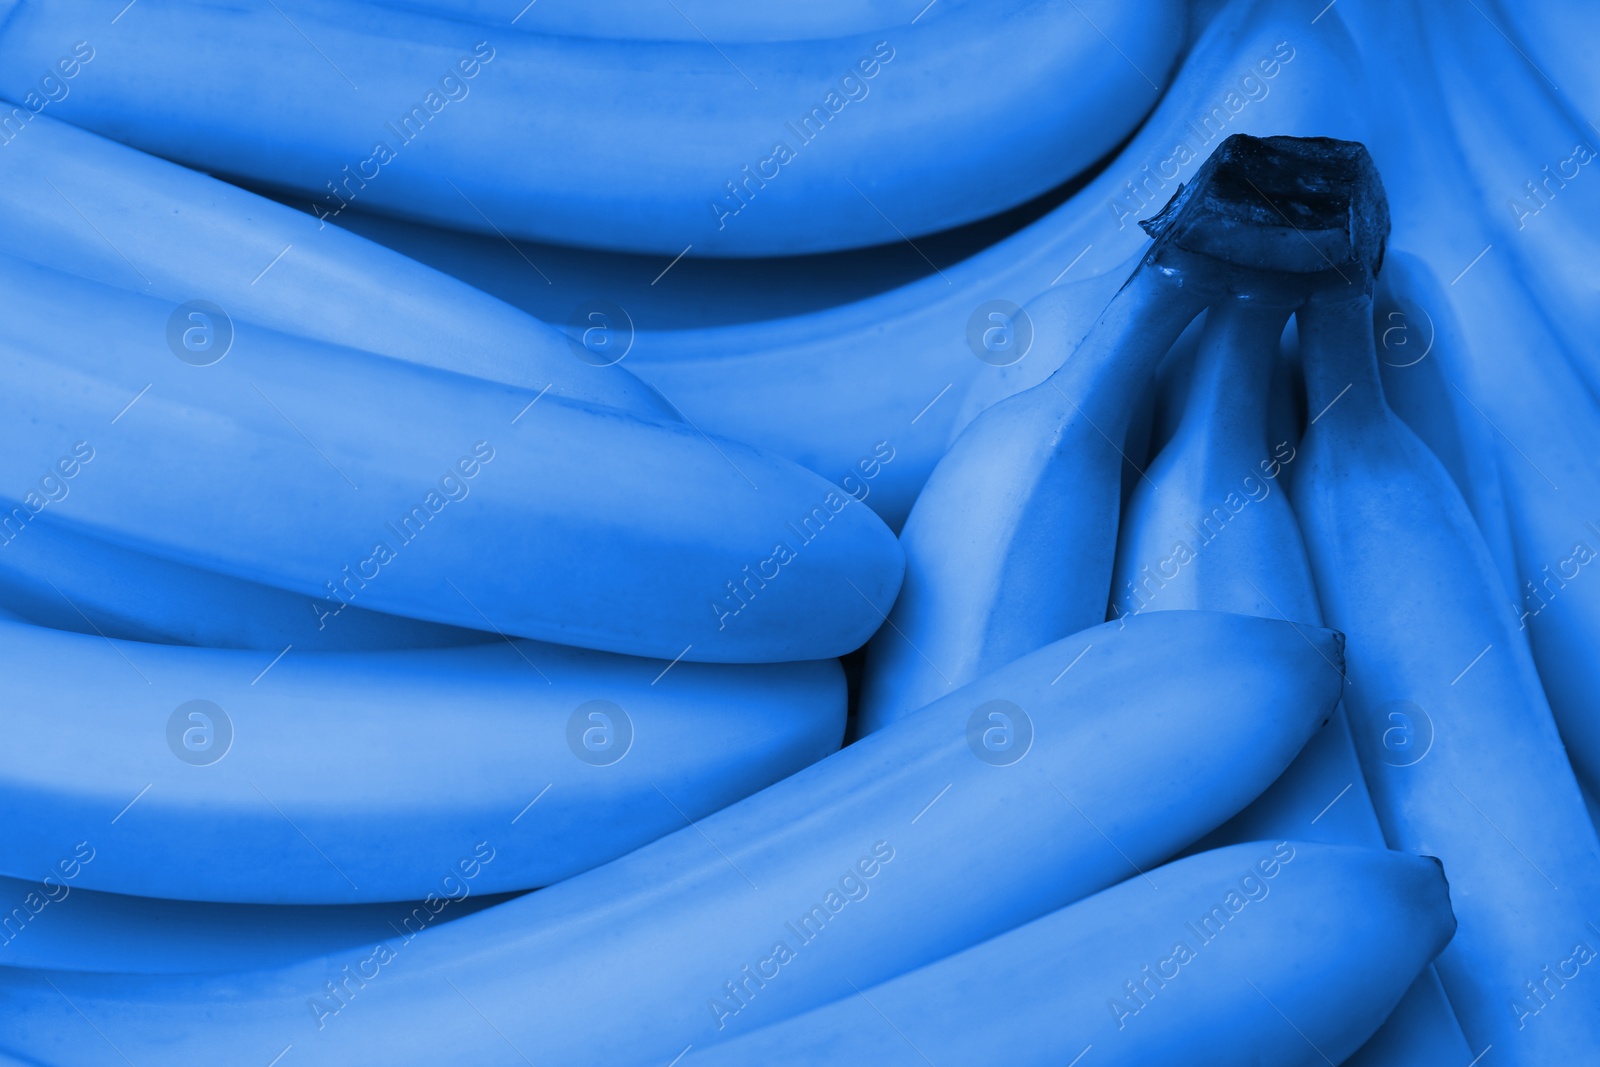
1117	358
1341	360
1233	368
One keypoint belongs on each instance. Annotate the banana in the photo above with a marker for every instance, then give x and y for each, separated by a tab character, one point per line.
645	20
1216	467
201	774
753	148
889	367
467	502
1210	527
1413	319
1462	753
1012	541
856	869
1530	400
89	206
898	368
71	581
1533	168
111	933
1008	546
1555	36
1202	963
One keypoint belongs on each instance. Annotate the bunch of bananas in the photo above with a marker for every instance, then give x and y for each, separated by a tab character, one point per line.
691	533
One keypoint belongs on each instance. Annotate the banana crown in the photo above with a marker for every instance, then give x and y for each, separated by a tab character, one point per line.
1301	205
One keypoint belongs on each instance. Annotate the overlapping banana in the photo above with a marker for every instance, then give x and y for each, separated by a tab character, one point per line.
1479	742
113	933
895	122
152	490
336	778
626	534
856	869
1000	562
1208	525
104	211
823	388
1173	960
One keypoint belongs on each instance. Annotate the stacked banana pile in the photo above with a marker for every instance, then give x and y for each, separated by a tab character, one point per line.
691	533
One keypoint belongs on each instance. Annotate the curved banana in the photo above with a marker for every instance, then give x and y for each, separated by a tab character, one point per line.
1533	161
334	778
68	580
888	368
753	147
89	206
467	502
1209	526
1460	749
1412	321
1216	466
892	370
855	869
115	934
1012	542
645	20
1524	386
1009	545
1208	970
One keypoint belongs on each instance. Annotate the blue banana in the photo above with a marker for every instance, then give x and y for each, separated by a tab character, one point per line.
892	370
339	778
72	581
111	933
1009	546
1012	541
856	869
89	206
757	147
1525	387
566	522
1413	320
1435	662
1279	954
1210	527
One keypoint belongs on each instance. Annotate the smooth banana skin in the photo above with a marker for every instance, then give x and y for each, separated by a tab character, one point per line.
343	778
152	226
882	838
1524	384
1210	527
1483	781
90	206
1010	544
1533	154
895	367
69	581
55	926
721	130
466	502
1131	977
1556	36
645	20
1412	320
